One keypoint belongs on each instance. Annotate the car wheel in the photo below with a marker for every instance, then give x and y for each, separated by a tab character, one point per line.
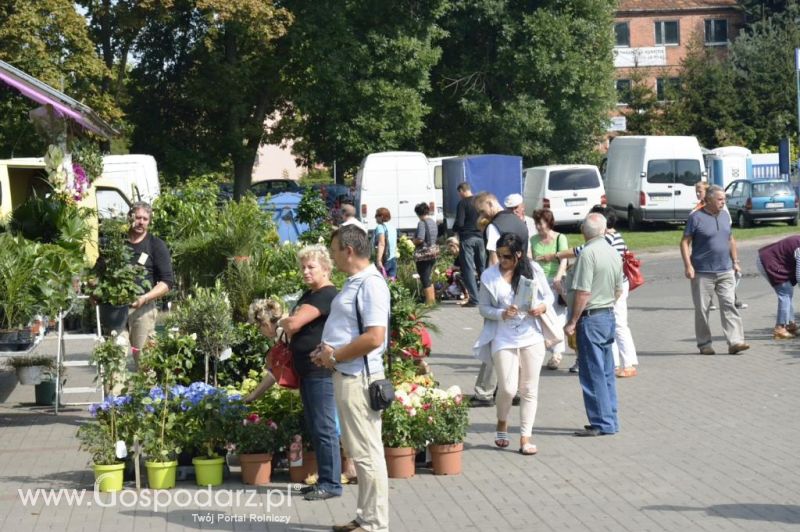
743	221
634	223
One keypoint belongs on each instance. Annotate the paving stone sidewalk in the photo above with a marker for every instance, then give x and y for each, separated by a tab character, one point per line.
707	443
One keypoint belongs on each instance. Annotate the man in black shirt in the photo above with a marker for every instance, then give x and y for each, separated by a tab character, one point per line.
472	255
150	252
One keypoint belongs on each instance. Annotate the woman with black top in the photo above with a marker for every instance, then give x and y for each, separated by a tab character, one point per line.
304	329
426	236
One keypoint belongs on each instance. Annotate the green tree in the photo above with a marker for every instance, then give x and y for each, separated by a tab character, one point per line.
205	83
49	40
355	76
532	78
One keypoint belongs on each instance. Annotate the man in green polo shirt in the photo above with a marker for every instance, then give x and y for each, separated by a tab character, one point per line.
596	283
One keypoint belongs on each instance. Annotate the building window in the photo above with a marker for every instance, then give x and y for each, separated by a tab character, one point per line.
623	91
667	32
716	31
666	88
622	33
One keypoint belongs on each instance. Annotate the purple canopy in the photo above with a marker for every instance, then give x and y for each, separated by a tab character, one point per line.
63	105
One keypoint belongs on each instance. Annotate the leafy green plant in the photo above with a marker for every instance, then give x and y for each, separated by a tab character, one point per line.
86	154
171	355
117	281
52	221
211	414
21	361
313	211
161	427
249	351
401	425
447	416
113	421
111	357
282	405
255	434
207	314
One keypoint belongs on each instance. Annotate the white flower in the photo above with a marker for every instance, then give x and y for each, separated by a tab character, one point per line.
415	276
454	391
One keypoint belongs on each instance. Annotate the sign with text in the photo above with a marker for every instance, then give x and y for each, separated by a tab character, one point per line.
617	123
640	57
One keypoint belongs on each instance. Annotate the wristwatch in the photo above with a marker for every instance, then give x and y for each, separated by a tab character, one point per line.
333	358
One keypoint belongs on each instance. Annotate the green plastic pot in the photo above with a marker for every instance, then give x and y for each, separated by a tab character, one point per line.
208	471
161	475
108	478
45	393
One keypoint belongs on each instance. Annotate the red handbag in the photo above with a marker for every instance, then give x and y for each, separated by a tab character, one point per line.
631	268
280	357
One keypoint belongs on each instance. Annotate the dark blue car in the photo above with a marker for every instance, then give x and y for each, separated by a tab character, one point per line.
768	200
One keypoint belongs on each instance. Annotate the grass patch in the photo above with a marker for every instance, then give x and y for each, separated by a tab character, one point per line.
670	236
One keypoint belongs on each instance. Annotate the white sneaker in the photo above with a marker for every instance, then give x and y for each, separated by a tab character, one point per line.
741	305
712	307
554	361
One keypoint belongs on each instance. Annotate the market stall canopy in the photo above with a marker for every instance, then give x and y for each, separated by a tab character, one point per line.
62	104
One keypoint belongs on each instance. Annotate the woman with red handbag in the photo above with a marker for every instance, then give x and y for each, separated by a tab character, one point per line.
304	330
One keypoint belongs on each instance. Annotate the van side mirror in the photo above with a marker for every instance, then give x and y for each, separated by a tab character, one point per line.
643	174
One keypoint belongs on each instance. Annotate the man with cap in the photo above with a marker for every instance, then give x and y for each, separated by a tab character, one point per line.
515	204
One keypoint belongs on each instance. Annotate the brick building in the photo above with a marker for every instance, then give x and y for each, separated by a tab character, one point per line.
654	35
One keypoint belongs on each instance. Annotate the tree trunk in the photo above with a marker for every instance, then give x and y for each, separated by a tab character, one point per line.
242	175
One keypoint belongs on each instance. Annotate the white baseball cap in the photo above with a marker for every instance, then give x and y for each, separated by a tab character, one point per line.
513	200
356	222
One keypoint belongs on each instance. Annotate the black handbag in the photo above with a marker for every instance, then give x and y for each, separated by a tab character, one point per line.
381	392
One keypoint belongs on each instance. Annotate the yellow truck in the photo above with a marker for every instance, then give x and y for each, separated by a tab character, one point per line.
113	191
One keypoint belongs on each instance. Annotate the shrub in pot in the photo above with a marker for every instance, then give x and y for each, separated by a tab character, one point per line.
117	281
161	432
446	428
402	431
106	438
255	439
31	369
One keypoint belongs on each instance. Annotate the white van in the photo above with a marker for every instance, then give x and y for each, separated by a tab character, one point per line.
397	180
435	165
136	172
652	178
569	190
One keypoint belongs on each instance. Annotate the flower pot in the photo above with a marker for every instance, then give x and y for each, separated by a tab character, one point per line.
309	463
30	374
45	393
256	468
447	458
400	461
108	477
113	318
208	471
161	475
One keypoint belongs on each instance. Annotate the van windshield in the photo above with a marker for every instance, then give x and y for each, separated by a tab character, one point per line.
575	179
681	171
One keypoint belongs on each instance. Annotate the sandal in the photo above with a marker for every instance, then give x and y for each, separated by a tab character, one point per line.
528	449
501	439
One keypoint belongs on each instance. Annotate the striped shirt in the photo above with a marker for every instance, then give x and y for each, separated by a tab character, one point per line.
614	239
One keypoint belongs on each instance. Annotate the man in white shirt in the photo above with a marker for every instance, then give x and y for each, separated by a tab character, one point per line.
353	342
515	204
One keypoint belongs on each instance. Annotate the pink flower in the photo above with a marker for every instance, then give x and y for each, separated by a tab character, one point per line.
426	406
457	399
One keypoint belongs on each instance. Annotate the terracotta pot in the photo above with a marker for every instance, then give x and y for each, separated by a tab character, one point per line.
447	458
310	462
400	461
256	468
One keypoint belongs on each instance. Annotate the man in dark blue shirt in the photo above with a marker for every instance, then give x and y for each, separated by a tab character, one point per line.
472	254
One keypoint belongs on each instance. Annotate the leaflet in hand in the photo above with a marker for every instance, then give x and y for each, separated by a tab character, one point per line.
524	297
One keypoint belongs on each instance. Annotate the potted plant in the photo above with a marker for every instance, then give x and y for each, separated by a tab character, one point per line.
161	428
402	430
207	315
111	358
208	421
446	428
255	439
18	301
117	282
105	439
30	369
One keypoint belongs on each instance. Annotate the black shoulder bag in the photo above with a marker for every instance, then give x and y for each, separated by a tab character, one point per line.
381	392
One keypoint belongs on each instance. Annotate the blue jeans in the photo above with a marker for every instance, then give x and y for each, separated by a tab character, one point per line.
391	267
596	370
472	258
785	306
319	410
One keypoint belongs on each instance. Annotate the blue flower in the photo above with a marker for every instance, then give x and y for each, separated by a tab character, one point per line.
93	409
156	393
178	390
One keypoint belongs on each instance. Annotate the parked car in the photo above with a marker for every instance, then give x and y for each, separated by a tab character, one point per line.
260	189
770	200
333	194
567	190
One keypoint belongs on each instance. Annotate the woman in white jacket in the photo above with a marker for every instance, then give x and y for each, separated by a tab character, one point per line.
512	337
